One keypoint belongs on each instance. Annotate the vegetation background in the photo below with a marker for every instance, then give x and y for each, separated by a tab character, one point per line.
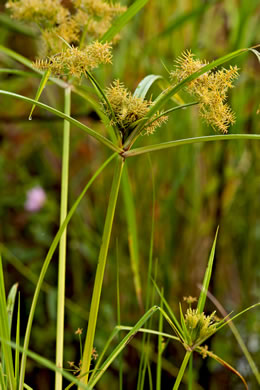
197	188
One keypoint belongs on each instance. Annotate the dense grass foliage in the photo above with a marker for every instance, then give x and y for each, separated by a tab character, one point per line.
179	197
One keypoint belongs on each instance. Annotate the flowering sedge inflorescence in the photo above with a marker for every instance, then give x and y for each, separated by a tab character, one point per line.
69	34
199	326
128	109
210	89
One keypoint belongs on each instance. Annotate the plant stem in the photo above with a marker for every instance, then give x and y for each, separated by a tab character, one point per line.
187	141
63	242
100	270
182	370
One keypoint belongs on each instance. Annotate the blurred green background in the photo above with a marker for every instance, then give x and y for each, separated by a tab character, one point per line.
197	188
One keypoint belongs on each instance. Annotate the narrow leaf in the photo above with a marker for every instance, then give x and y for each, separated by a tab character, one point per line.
123	19
188	141
168	308
60	114
205	285
122	345
144	85
44	80
10	304
4	333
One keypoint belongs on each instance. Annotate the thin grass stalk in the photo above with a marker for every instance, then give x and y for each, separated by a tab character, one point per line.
182	370
187	141
190	373
63	241
119	315
100	271
17	341
6	353
160	349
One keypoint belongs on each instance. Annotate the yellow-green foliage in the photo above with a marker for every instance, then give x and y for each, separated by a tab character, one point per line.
210	89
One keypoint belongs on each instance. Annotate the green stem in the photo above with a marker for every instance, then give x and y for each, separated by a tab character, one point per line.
190	373
100	271
187	141
63	242
182	370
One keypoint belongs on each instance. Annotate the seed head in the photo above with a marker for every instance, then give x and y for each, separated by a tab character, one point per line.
75	62
129	109
210	89
199	326
45	13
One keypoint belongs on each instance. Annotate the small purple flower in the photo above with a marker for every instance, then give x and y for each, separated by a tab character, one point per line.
35	199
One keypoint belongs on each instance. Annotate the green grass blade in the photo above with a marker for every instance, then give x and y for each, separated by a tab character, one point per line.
7	358
44	80
95	300
160	349
130	213
17	341
18	72
190	373
144	85
150	331
182	370
60	114
188	141
122	345
183	18
173	317
10	305
172	325
46	264
237	315
22	60
18	27
2	379
207	277
123	19
107	345
101	94
120	374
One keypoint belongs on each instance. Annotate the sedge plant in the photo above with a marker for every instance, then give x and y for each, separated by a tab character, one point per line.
73	41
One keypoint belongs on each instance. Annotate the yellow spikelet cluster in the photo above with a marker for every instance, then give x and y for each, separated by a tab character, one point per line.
45	13
67	32
210	89
129	109
199	326
76	62
97	14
